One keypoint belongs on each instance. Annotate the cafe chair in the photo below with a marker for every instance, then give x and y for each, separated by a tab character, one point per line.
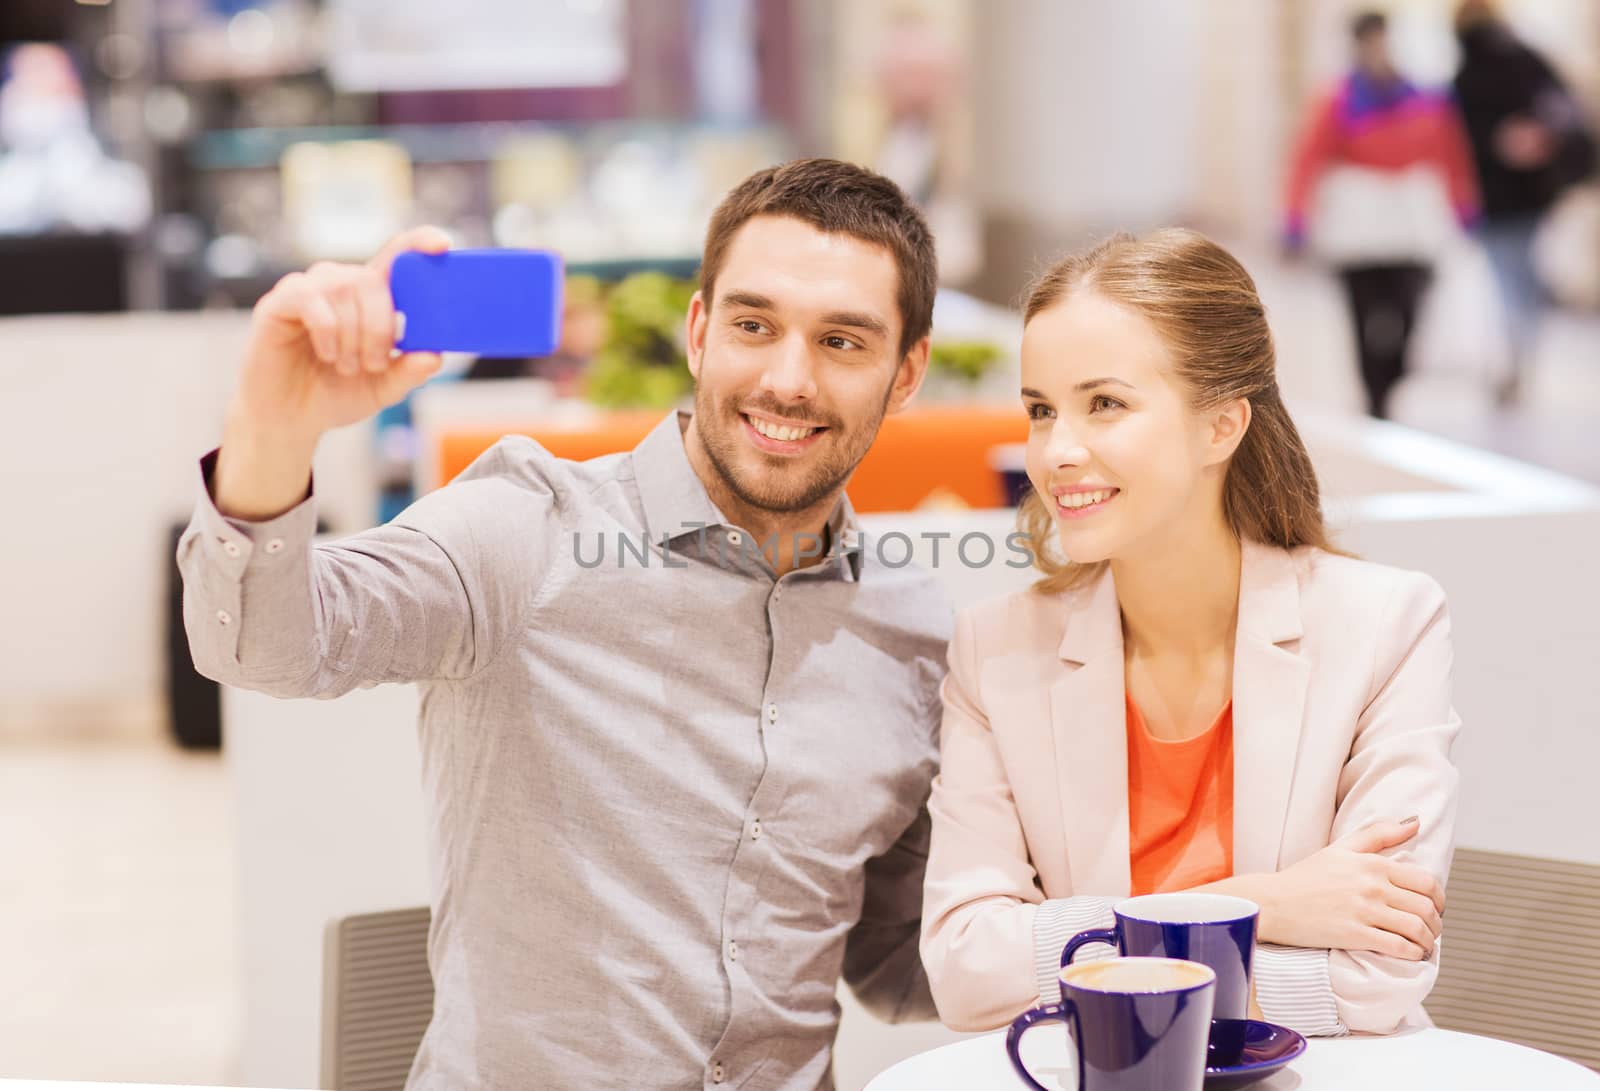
1520	959
377	998
1520	962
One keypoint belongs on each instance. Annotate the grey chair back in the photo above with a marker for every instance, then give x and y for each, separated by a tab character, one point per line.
1521	954
377	999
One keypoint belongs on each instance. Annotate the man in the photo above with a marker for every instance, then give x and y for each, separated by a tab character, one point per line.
1530	146
677	787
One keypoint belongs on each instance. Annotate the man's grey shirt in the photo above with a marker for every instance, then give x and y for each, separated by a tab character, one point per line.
670	799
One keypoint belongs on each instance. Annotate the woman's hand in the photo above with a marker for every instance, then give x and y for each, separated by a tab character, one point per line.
1349	897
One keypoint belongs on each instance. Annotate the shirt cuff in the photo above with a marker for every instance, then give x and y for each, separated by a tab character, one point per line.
1293	990
218	555
229	543
1056	922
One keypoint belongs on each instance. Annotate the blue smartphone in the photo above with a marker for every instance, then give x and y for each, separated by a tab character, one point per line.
488	302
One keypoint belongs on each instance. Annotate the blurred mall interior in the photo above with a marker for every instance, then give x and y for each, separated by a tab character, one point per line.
165	899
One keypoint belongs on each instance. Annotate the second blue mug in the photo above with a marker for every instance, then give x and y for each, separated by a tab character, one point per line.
1216	930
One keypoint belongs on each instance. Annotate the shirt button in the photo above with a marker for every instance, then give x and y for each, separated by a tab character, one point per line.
224	618
231	548
772	714
755	830
733	951
275	545
718	1074
735	538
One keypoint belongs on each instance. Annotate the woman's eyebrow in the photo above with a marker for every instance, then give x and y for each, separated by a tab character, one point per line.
1086	385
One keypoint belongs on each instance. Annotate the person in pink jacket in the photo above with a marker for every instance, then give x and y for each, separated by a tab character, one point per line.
1381	180
1204	606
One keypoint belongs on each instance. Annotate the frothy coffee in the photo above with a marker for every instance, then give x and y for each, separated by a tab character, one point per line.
1136	975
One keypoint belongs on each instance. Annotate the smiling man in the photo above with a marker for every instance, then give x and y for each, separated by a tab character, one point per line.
811	323
670	803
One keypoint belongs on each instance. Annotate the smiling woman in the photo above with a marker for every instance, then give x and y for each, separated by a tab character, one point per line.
1201	693
1181	319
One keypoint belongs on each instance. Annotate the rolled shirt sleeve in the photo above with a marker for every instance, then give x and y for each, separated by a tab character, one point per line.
223	561
418	598
1055	923
1293	989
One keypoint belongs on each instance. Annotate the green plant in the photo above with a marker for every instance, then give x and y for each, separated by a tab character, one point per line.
966	360
642	362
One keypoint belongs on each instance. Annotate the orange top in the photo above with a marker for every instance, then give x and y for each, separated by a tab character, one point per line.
1180	805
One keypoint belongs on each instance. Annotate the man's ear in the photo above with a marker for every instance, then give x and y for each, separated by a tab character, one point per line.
694	332
908	376
1229	423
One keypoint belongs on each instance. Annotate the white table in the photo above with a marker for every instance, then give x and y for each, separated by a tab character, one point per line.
1415	1061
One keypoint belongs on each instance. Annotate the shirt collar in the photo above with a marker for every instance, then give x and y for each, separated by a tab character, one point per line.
845	538
676	503
674	498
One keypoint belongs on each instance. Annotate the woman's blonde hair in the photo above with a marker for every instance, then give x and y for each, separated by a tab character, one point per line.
1206	309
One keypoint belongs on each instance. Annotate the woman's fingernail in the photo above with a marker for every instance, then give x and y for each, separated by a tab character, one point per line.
1408	821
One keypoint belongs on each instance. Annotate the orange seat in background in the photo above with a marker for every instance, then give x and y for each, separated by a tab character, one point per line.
937	447
917	452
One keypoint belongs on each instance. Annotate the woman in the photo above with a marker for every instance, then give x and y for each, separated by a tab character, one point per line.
1210	696
1377	179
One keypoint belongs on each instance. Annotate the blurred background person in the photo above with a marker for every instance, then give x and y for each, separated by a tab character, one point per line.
1530	146
1381	171
53	171
921	78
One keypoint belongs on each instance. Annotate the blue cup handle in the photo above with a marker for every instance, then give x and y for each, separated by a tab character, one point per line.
1093	935
1063	1012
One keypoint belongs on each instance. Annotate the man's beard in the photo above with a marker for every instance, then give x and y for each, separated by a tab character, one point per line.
785	490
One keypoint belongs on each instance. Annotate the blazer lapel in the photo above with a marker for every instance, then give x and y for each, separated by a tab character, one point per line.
1269	695
1089	721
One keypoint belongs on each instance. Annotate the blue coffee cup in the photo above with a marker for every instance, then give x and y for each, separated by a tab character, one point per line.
1217	930
1138	1024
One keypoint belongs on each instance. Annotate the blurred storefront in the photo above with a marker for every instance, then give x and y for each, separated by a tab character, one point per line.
264	134
274	133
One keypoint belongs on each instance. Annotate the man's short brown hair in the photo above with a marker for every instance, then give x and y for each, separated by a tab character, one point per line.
839	198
